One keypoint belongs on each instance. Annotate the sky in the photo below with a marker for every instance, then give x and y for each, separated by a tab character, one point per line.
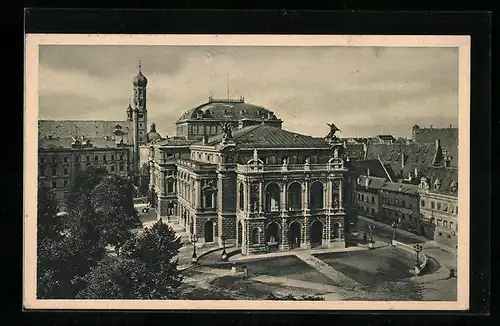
364	91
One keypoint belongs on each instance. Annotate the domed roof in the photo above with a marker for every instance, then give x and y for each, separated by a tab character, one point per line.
228	109
152	134
140	80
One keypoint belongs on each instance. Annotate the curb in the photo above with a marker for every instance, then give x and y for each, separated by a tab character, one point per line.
191	265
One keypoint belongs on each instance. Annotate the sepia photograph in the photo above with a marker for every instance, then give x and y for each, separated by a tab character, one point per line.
231	172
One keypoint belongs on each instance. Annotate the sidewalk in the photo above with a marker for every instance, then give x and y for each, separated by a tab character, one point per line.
427	243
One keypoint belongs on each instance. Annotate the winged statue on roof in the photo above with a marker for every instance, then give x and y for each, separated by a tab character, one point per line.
333	130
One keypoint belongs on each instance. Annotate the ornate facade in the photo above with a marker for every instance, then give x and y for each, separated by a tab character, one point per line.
261	187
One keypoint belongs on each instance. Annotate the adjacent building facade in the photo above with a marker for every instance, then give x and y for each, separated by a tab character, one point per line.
66	145
60	159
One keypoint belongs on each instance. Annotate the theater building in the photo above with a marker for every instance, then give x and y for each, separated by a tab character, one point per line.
261	187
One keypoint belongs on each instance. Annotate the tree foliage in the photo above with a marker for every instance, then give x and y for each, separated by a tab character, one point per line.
112	200
115	278
157	248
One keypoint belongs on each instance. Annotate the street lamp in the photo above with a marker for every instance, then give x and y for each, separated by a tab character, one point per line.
418	249
370	228
395	224
224	254
194	239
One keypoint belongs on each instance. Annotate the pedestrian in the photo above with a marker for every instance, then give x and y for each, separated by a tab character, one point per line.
245	272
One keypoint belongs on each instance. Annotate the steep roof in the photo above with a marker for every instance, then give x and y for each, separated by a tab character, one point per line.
373	182
86	128
446	177
376	169
401	187
229	110
265	136
416	156
447	136
355	151
175	142
65	143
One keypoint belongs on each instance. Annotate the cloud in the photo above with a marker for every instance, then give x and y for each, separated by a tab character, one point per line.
363	90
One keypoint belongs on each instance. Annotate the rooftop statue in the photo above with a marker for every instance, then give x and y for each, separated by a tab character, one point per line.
333	130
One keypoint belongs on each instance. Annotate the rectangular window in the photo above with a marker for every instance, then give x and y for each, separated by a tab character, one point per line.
422	203
104	158
438	206
54	184
373	200
65	159
96	158
432	204
456	209
54	171
373	212
438	223
65	183
403	203
53	159
77	158
445	224
170	187
65	171
451	225
112	157
88	158
121	157
121	168
112	168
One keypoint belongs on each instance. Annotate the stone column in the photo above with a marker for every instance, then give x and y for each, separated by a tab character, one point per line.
305	198
248	192
197	193
330	194
284	235
341	205
261	198
284	198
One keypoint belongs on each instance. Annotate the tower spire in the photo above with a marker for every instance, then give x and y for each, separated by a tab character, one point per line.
140	65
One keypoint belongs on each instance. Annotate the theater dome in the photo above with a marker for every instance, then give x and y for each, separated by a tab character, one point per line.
228	109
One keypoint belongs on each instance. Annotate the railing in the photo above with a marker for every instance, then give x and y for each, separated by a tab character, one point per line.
197	165
255	168
422	257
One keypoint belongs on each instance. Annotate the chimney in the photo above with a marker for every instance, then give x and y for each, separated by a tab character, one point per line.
438	143
368	172
451	126
402	160
367	182
415	172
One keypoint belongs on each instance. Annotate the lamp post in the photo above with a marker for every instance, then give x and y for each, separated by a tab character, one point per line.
370	228
395	224
194	239
224	254
418	249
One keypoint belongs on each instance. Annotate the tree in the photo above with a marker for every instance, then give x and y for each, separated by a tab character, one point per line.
112	200
157	248
115	278
53	278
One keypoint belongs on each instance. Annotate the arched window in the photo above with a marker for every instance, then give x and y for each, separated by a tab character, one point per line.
295	196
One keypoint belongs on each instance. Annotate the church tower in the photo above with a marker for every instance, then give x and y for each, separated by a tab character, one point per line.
140	114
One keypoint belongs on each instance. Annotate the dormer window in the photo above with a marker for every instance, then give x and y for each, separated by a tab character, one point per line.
454	186
437	184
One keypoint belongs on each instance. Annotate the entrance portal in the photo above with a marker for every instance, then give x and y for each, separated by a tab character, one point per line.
316	233
209	231
295	235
